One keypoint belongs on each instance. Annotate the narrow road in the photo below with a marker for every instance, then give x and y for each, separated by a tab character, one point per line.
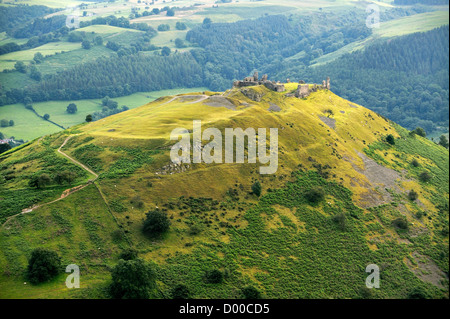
67	192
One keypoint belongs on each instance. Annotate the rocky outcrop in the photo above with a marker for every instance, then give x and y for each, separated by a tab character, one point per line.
252	94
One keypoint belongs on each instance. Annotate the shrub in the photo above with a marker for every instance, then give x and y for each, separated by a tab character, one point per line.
415	163
251	292
156	223
40	181
256	188
43	265
132	279
180	292
315	195
214	276
412	195
425	177
129	254
390	139
419	131
340	220
400	223
418	293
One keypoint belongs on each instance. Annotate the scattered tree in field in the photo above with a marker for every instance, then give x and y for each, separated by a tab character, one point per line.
425	177
72	108
180	26
443	141
20	66
415	163
65	177
132	279
156	223
46	116
40	181
401	223
180	292
156	11
164	27
4	123
412	195
390	139
251	292
43	265
165	51
89	118
256	188
341	220
419	131
38	57
11	123
315	195
35	74
86	44
98	40
207	21
179	43
214	276
170	13
129	254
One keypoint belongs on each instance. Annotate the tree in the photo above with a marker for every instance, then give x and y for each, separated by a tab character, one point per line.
156	11
11	123
179	43
43	265
35	74
86	44
156	223
214	276
412	195
46	116
180	292
40	181
129	254
401	223
420	131
89	118
390	139
415	163
443	141
166	51
256	188
180	26
38	57
4	147
72	108
20	66
170	12
315	195
4	123
98	40
65	177
425	177
132	279
207	21
164	27
251	292
341	220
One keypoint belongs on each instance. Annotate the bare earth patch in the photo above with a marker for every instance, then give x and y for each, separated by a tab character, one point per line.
425	269
274	108
219	101
329	121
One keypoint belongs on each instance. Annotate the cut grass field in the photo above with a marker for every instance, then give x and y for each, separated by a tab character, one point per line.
28	126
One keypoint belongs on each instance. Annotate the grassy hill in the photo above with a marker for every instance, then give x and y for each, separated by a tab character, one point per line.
281	242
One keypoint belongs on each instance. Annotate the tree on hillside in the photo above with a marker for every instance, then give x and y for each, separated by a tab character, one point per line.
156	11
170	12
166	51
98	40
43	265
132	279
179	43
315	195
11	123
180	292
420	131
72	108
20	66
46	116
4	147
35	74
180	26
207	21
40	181
156	223
89	118
251	292
443	141
86	44
256	188
390	139
4	123
38	57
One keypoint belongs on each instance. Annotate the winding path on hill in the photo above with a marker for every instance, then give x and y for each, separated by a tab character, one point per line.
67	192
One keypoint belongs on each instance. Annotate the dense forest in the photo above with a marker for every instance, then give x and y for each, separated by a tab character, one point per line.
15	17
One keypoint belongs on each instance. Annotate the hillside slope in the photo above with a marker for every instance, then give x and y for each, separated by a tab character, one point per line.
282	242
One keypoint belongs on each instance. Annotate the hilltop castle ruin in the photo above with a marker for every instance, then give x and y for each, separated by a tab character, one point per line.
303	89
